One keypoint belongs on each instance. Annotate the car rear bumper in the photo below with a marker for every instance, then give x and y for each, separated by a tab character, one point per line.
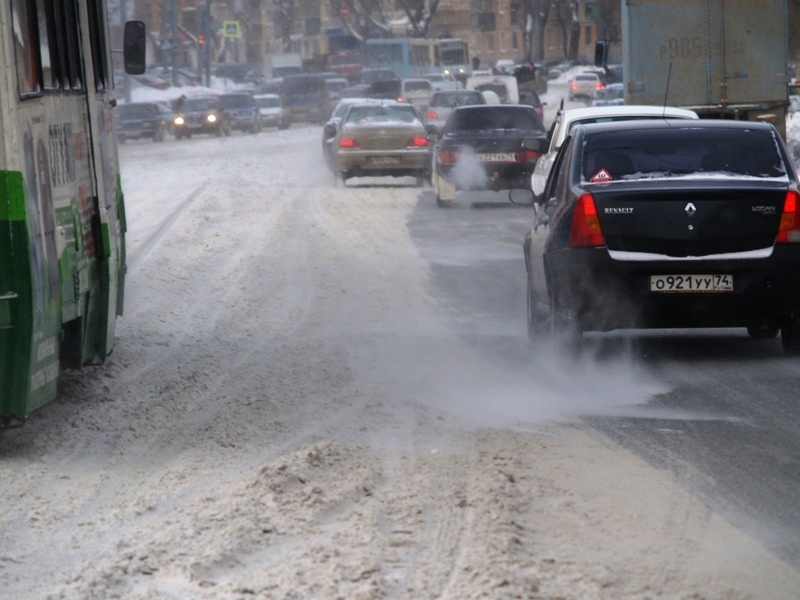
603	294
499	176
382	162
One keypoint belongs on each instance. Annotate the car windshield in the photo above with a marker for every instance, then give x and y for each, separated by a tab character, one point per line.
237	101
453	99
133	111
491	118
657	153
381	114
200	104
273	102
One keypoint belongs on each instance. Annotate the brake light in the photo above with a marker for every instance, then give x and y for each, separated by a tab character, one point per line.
527	156
431	114
348	142
418	141
599	85
585	224
789	230
574	85
448	158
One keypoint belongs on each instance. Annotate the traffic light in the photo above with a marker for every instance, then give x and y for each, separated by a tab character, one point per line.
201	39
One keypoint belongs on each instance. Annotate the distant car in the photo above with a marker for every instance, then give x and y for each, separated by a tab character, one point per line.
480	147
379	139
243	110
442	81
385	89
504	86
306	98
201	114
369	76
138	120
529	97
335	86
269	105
443	103
667	224
583	85
567	119
417	91
611	95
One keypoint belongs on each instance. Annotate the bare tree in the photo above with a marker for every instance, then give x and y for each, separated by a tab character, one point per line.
419	13
536	13
361	17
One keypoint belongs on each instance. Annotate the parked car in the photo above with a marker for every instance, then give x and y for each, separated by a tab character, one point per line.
381	138
269	105
201	114
243	110
583	85
137	120
443	103
667	224
567	119
480	147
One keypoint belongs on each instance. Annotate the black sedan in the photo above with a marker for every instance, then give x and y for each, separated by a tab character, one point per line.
666	224
481	148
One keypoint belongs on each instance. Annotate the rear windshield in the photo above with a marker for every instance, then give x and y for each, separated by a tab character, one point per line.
649	153
268	102
381	114
303	85
417	86
237	101
493	118
453	99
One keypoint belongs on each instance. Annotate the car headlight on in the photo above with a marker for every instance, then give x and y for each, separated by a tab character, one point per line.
178	120
211	118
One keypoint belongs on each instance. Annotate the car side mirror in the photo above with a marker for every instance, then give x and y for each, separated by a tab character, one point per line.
330	130
433	132
535	144
133	47
522	196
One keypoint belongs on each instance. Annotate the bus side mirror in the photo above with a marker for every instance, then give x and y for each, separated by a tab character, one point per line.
133	47
601	53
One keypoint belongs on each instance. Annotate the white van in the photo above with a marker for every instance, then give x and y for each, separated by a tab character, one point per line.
505	86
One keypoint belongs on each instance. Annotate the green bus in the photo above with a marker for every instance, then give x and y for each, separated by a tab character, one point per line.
62	215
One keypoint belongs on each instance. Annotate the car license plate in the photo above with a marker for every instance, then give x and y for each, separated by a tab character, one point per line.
384	160
691	283
497	157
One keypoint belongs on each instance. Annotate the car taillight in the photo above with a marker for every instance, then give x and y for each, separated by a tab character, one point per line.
448	158
348	142
789	230
599	85
431	114
418	141
574	85
527	156
585	224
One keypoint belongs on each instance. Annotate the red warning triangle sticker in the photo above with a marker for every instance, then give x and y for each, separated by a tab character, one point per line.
601	176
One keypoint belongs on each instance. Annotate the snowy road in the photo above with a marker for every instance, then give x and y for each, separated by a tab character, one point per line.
298	407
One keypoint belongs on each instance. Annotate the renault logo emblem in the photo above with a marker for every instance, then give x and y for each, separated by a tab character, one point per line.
690	209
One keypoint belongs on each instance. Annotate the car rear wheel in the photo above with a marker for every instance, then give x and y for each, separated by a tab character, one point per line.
445	192
790	337
537	325
563	329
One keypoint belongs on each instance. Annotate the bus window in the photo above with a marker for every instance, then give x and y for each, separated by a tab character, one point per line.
66	26
97	36
26	47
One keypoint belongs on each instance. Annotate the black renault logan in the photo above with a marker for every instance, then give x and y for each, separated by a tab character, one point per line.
667	224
